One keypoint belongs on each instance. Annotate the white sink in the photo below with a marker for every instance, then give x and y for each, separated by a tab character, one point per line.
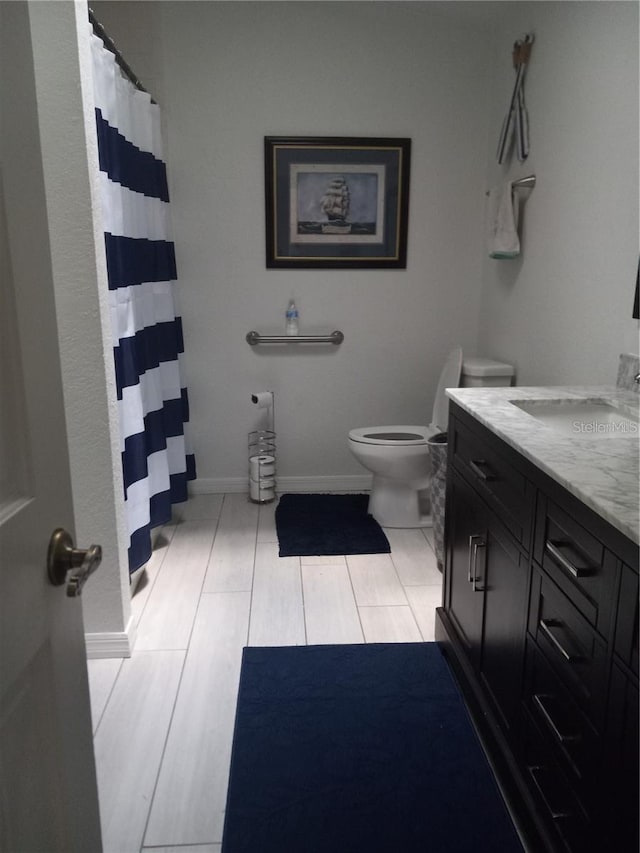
588	417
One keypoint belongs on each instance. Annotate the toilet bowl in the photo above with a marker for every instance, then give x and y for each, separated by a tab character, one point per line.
398	456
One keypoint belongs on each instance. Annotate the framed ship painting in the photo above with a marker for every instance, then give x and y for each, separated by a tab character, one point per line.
336	202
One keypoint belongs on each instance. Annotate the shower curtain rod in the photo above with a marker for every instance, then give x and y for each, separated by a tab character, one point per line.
100	31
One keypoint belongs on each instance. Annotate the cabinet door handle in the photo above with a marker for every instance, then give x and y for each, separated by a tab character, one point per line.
479	543
556	812
472	556
478	466
546	626
539	698
553	549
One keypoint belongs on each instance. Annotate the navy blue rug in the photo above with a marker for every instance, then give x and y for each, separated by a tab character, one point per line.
358	749
316	525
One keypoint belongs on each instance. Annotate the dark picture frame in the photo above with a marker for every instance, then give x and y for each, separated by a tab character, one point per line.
336	202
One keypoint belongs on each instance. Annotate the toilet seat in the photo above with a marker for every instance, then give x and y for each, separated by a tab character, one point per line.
406	436
399	458
393	436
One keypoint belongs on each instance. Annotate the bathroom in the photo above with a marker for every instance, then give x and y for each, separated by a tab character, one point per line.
559	313
228	74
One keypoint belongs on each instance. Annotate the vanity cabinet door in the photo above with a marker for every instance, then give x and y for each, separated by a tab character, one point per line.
505	584
466	537
488	597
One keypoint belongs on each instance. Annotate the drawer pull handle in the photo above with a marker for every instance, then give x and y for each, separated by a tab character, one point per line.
555	813
553	549
539	698
546	626
478	466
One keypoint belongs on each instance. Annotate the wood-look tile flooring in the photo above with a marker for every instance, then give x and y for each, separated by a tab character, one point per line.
163	719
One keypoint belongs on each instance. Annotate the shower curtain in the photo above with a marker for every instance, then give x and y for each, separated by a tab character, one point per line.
147	333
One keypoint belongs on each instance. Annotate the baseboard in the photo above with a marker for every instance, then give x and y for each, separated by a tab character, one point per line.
111	644
218	485
331	483
335	483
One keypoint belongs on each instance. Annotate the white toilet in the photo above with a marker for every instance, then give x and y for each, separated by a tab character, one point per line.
398	456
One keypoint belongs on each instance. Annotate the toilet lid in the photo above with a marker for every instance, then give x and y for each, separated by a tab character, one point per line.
392	435
449	378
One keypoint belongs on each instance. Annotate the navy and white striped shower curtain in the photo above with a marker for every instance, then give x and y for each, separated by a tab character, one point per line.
147	334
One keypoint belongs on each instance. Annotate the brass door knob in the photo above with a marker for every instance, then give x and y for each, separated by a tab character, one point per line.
63	557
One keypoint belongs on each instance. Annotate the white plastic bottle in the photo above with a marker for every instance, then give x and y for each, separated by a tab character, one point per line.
292	319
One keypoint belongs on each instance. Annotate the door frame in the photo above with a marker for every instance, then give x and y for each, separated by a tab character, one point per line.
60	34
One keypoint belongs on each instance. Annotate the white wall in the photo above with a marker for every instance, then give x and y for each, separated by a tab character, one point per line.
69	160
235	72
562	312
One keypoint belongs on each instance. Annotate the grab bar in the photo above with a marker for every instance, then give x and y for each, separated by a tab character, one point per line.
254	338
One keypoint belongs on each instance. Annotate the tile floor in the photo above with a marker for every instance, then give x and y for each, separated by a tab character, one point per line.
163	719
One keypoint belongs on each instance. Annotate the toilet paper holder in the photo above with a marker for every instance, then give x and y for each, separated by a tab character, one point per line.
262	466
262	454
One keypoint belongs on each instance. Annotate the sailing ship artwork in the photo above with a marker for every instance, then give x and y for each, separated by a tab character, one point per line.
337	204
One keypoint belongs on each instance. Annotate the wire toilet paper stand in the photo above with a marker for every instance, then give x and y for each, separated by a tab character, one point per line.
262	454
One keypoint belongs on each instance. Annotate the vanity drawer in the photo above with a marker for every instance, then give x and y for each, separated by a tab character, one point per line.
577	562
570	737
621	759
570	645
557	801
485	462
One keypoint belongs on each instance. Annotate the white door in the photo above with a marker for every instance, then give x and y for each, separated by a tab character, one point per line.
48	793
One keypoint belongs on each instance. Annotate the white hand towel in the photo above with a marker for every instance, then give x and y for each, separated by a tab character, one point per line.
502	219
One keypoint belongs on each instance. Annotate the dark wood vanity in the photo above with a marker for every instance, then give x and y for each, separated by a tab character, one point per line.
540	625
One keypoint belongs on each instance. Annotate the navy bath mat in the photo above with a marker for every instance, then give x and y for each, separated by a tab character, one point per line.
358	749
316	525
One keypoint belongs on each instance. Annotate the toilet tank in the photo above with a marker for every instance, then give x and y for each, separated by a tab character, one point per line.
485	373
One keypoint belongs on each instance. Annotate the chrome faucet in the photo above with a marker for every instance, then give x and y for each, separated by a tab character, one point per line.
636	378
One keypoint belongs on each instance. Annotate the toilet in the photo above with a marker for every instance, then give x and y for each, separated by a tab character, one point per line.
398	456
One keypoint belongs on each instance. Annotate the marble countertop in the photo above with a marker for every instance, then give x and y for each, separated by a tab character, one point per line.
599	468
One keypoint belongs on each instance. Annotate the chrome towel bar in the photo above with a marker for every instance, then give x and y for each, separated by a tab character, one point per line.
254	338
527	183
